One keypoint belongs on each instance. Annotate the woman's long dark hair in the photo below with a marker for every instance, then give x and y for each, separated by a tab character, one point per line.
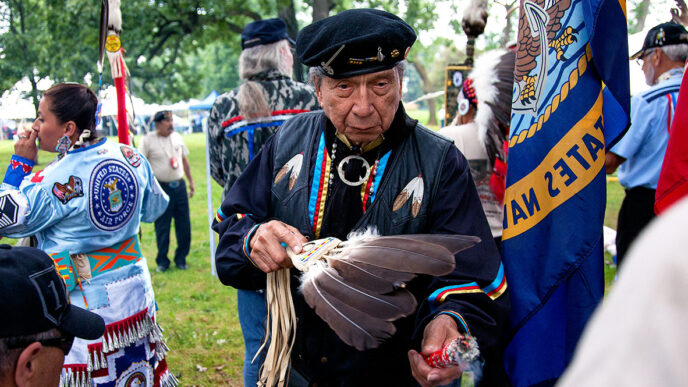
74	102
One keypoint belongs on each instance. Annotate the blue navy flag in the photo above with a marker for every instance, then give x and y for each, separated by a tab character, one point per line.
571	101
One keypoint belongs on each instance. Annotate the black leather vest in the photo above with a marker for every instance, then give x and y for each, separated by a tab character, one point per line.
422	153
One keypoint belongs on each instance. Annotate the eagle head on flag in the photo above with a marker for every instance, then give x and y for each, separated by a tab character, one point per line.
570	102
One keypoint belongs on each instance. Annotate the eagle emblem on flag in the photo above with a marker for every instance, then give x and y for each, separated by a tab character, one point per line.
540	32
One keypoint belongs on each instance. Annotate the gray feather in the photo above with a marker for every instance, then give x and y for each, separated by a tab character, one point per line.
384	306
371	277
404	254
362	290
453	243
353	327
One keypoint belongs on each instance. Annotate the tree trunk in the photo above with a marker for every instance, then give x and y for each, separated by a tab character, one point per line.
34	92
321	9
506	32
641	11
288	14
427	88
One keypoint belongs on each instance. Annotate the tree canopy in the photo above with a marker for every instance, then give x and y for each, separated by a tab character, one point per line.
177	49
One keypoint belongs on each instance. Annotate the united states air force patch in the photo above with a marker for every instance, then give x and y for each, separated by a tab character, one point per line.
114	193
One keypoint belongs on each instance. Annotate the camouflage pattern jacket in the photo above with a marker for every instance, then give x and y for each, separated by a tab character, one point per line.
233	140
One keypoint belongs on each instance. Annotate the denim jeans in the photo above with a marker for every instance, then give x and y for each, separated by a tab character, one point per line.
252	313
178	209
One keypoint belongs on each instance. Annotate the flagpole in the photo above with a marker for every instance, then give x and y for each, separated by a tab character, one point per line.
211	210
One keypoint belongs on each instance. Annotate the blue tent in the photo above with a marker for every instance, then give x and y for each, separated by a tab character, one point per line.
206	103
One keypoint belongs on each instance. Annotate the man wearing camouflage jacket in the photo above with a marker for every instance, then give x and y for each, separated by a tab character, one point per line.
241	120
239	124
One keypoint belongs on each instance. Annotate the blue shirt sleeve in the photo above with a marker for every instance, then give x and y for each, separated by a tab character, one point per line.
642	118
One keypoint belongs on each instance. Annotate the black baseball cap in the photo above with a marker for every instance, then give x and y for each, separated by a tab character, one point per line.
665	34
34	299
264	32
162	115
355	42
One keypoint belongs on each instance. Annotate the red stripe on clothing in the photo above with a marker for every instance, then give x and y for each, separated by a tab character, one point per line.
671	107
499	288
275	113
367	188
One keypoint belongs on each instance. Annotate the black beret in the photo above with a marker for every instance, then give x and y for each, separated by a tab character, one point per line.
264	32
354	42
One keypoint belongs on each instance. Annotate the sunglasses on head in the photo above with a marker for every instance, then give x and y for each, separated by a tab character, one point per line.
62	342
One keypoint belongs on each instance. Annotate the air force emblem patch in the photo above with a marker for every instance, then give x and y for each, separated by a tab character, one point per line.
113	195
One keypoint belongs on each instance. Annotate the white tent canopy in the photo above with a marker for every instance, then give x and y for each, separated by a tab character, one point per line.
17	109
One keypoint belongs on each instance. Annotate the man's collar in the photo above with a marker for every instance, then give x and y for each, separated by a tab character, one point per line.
366	147
675	72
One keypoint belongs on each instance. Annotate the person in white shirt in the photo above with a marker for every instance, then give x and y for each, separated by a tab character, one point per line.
481	128
166	153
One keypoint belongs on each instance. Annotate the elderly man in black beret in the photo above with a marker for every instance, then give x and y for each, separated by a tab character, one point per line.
360	163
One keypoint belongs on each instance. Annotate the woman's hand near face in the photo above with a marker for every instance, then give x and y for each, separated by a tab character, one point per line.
26	145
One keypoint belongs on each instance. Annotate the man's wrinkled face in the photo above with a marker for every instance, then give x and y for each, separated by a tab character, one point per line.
363	106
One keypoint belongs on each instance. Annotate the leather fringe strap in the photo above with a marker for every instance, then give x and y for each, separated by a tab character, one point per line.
280	328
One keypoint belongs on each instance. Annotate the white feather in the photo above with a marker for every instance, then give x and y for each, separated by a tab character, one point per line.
418	189
485	85
114	15
313	272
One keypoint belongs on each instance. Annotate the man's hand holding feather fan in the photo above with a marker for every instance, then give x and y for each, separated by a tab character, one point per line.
267	245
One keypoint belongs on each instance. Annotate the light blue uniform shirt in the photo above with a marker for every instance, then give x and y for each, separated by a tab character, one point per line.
644	144
91	198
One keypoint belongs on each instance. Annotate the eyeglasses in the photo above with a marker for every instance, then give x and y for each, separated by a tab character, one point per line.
62	342
643	57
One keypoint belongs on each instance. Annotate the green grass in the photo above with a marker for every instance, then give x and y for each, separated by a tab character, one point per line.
197	312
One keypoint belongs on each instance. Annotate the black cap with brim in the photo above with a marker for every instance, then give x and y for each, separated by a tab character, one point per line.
162	115
82	323
355	42
665	34
265	31
35	299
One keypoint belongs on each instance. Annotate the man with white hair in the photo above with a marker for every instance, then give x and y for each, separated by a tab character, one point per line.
639	153
240	122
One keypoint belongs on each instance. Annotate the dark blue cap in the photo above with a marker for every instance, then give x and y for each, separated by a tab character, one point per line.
355	42
264	32
34	297
665	34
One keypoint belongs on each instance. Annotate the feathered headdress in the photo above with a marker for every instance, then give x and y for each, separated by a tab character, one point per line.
492	79
358	287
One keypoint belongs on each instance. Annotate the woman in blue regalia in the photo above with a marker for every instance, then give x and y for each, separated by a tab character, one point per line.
84	209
